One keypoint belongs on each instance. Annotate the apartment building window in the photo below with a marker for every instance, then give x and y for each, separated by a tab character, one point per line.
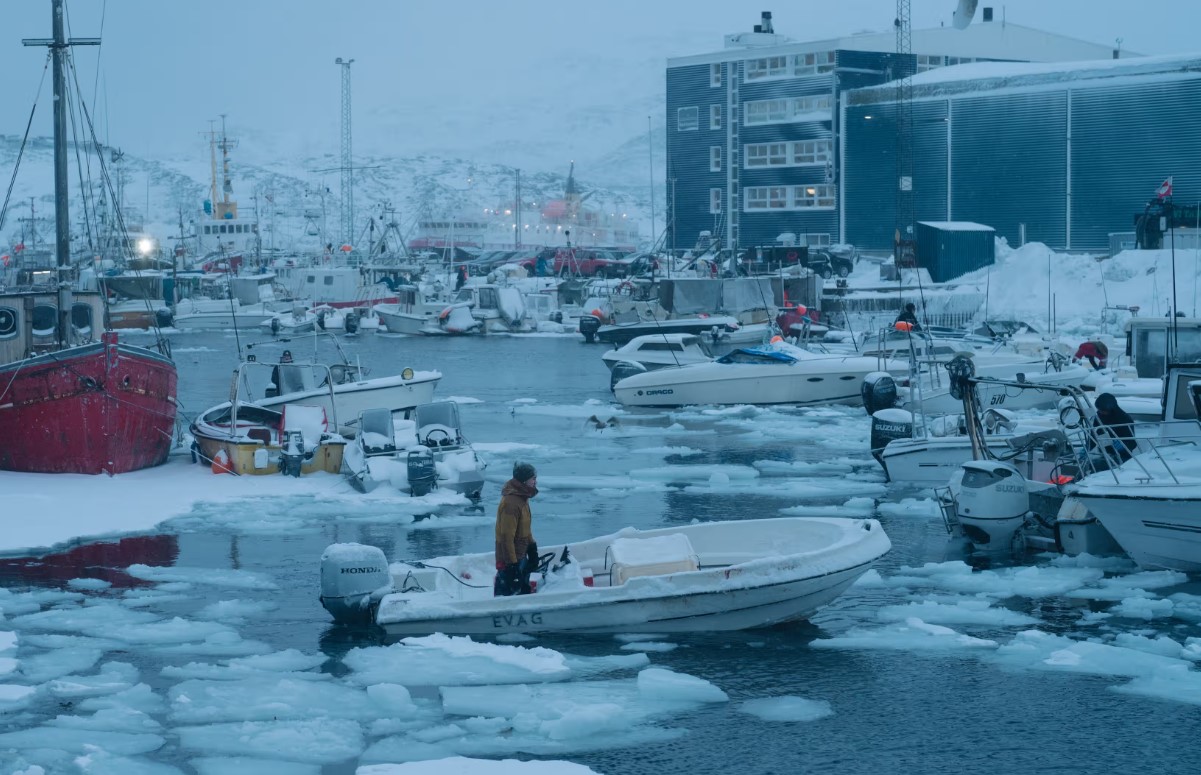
959	60
812	64
767	111
816	197
715	200
803	105
715	116
789	197
715	74
715	158
687	119
766	155
766	197
811	152
768	67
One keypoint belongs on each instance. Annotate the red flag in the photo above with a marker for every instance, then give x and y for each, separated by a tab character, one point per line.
18	247
1165	189
5	259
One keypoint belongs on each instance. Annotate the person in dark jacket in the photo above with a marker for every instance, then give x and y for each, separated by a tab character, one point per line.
1114	433
516	549
909	315
461	280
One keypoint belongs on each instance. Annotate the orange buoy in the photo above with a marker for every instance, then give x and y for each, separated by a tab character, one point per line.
221	462
903	325
777	338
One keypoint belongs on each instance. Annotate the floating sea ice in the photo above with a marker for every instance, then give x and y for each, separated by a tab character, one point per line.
1085	560
855	508
92	584
650	645
440	660
15	696
871	578
161	633
85	618
316	741
662	684
41	668
797	468
458	765
1173	682
1162	645
216	577
787	708
1186	606
1143	608
118	719
665	450
590	667
235	611
225	643
695	473
502	447
910	507
965	611
20	603
113	677
245	765
141	698
98	762
1033	582
264	698
912	635
1037	650
81	741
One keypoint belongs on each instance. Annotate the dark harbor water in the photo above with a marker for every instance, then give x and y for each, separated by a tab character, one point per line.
905	697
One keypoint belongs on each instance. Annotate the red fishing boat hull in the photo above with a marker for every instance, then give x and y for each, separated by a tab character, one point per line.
103	408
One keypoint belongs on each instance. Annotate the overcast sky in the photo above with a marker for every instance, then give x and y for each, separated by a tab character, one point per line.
167	66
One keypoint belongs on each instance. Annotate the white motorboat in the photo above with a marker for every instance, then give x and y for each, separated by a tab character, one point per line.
655	351
777	373
416	308
619	333
1151	504
423	451
220	314
298	321
482	309
703	577
353	391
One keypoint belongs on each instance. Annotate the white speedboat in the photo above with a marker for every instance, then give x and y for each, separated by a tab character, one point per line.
702	577
660	351
423	451
298	321
353	393
778	373
1151	504
220	314
482	309
620	333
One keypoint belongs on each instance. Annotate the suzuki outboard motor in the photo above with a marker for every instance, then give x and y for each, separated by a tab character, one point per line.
623	369
423	475
879	391
888	425
353	579
991	505
292	453
164	317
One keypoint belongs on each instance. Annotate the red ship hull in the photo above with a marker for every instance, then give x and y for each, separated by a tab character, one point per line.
97	408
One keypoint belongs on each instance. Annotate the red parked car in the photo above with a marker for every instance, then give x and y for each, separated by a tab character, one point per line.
577	262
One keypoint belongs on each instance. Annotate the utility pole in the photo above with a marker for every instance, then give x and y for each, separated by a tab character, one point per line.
517	215
347	168
905	254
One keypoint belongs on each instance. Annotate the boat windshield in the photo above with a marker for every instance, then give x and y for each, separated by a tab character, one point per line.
296	378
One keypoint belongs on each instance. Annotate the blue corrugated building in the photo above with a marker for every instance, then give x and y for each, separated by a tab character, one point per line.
754	135
1073	152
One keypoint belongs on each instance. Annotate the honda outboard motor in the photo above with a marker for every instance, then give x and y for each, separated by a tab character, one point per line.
164	318
353	579
589	325
879	391
275	326
623	369
888	425
423	475
991	505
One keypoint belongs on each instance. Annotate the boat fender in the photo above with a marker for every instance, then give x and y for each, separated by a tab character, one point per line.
879	391
221	462
354	577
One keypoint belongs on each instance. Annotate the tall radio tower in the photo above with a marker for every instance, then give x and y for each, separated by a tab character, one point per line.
347	168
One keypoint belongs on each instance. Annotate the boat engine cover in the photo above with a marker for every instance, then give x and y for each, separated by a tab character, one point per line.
992	490
353	577
623	369
879	391
888	425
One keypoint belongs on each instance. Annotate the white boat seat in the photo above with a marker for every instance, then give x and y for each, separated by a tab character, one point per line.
653	556
377	435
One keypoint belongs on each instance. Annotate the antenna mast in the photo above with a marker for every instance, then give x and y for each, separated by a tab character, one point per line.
903	70
347	168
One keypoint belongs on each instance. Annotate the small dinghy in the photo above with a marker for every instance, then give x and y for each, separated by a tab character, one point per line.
696	578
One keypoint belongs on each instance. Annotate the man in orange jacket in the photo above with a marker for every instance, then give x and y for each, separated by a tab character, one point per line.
514	535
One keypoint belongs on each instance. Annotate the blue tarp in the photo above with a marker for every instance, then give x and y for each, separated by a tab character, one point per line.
753	354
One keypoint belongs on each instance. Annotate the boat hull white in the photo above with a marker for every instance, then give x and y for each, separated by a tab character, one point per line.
835	381
1156	530
210	321
392	393
744	575
930	462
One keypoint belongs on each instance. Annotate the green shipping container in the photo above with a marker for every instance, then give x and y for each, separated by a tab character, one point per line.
949	249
